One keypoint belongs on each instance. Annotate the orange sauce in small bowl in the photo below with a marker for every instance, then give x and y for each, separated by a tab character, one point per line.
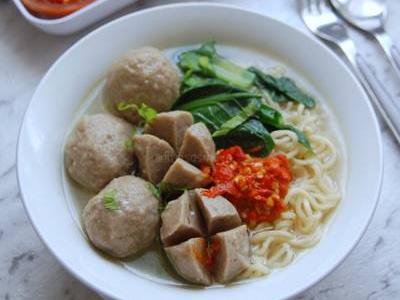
51	9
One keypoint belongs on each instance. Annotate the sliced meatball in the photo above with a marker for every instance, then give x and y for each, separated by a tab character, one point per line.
95	152
233	256
184	175
155	156
198	146
219	214
123	218
181	220
189	260
143	75
170	126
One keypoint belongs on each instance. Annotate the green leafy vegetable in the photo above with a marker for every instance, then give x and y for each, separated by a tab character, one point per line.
238	119
223	115
109	200
269	116
273	120
214	116
197	87
282	89
215	99
154	190
227	99
205	62
169	191
195	81
252	136
167	187
300	136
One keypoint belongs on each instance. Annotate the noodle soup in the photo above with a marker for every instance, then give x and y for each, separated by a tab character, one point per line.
315	189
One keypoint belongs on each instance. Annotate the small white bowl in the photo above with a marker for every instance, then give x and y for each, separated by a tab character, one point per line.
61	91
76	21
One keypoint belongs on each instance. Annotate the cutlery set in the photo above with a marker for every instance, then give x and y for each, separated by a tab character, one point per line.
369	16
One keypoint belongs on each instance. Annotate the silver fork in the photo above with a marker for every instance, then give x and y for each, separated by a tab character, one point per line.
321	20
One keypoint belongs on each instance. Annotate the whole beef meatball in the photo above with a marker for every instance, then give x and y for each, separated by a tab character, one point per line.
95	152
141	76
123	218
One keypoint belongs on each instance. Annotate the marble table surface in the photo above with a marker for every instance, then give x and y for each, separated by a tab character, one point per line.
27	268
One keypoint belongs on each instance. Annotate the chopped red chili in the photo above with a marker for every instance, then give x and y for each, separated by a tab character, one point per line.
255	186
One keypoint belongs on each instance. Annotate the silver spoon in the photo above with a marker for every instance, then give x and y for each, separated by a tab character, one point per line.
370	16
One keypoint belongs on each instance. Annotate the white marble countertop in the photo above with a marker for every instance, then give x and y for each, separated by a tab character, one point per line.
29	271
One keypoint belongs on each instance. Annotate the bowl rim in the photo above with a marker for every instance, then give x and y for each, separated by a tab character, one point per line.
103	291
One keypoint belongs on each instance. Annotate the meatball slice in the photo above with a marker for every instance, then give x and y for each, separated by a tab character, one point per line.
189	260
233	255
155	156
198	146
181	220
184	175
143	75
95	151
219	214
170	126
123	218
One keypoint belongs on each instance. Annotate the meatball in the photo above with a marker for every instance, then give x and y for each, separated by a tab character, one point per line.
123	218
95	151
141	76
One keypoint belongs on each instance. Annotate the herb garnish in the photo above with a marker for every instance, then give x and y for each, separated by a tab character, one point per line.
128	144
123	106
145	112
109	200
161	207
154	190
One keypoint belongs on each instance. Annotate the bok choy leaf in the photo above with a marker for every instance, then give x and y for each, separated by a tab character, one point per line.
238	119
282	89
205	62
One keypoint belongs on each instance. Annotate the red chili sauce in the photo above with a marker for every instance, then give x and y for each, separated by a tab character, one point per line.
54	8
255	186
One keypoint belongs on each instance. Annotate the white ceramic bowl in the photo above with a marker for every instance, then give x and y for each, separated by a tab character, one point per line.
67	82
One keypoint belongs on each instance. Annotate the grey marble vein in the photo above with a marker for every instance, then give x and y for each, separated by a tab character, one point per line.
29	271
16	260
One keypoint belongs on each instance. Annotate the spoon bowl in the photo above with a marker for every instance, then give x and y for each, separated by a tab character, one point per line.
367	15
